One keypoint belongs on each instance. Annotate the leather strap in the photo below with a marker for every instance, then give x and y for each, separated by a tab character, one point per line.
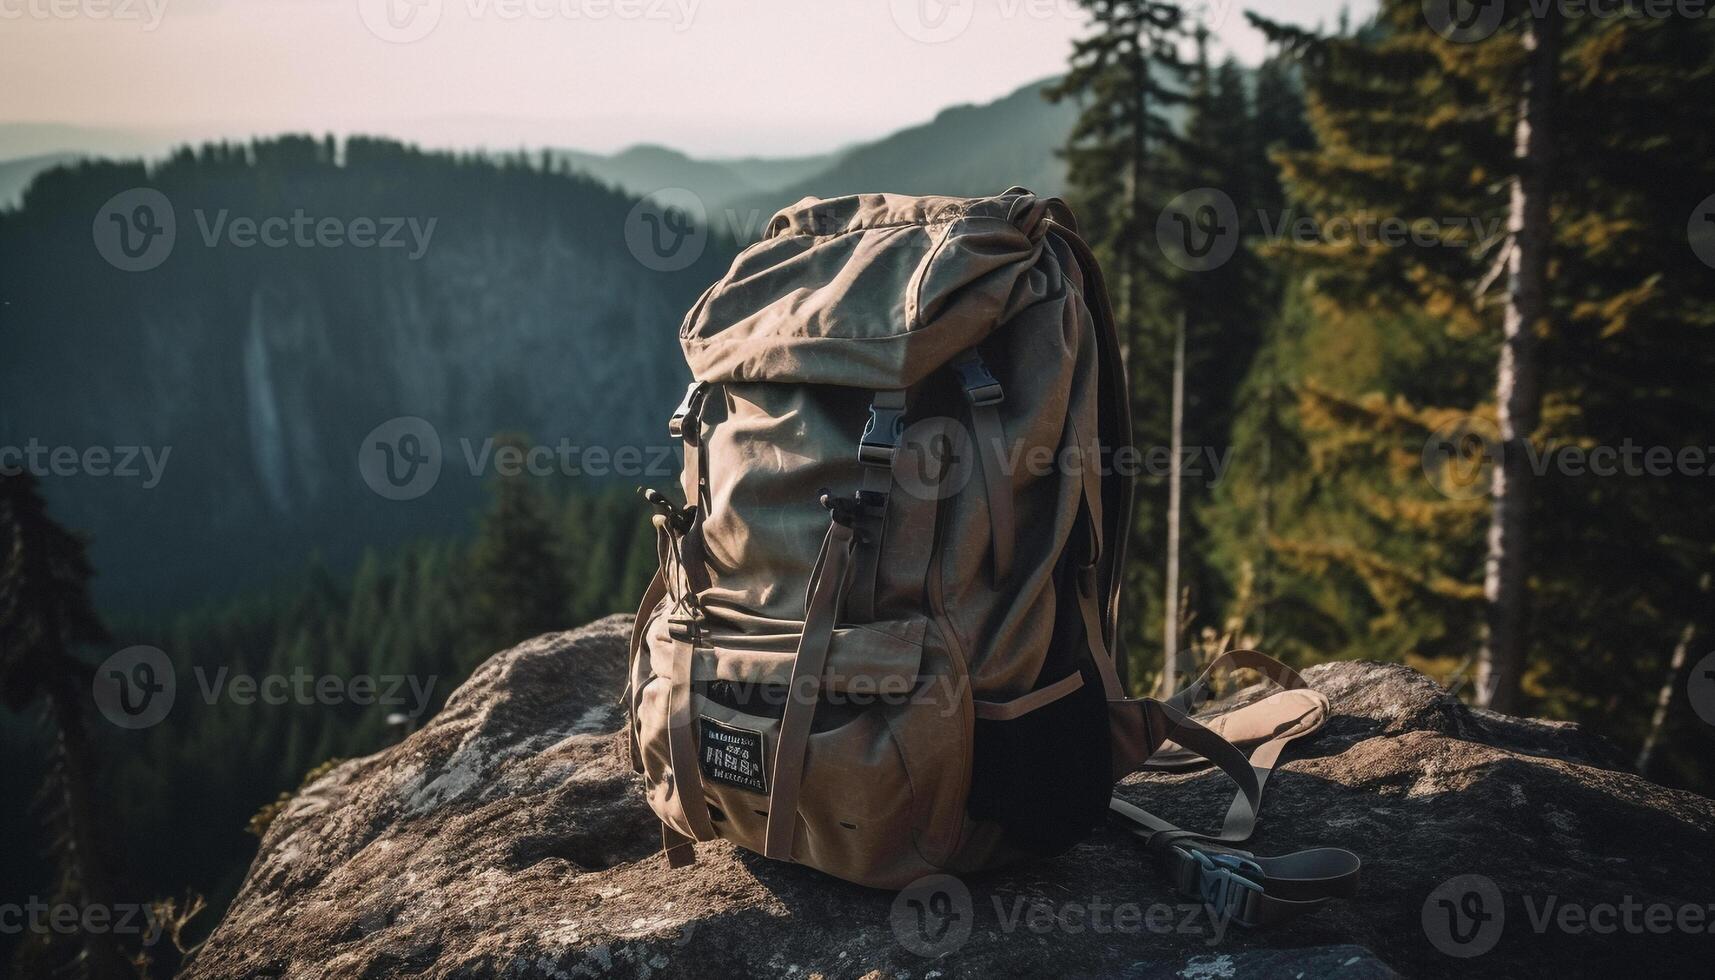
821	614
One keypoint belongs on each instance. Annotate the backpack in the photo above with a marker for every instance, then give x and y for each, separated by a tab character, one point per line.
878	643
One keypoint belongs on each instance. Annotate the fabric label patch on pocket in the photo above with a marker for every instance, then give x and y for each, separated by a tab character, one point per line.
732	755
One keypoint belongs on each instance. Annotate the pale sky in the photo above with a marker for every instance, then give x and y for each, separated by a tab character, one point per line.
711	77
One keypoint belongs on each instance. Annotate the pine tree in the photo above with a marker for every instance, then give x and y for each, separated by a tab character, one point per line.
1580	274
1121	158
518	575
45	615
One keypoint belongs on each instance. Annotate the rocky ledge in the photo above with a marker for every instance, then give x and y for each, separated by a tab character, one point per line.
507	839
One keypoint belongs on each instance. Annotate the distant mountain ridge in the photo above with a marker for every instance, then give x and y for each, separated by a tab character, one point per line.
965	150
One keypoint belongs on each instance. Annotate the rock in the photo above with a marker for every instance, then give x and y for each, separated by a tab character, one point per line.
508	839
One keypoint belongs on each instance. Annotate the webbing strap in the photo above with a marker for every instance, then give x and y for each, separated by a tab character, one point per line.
1114	412
681	741
1237	884
985	395
1260	891
687	426
652	597
1287	678
677	848
821	614
876	451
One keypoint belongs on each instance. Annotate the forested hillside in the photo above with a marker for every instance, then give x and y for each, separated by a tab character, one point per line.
496	297
1448	316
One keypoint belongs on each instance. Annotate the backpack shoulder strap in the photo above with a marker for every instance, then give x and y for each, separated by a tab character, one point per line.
1235	883
1115	436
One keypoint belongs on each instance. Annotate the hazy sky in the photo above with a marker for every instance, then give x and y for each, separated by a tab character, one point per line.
707	76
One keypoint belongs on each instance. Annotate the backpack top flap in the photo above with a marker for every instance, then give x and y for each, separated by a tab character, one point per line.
869	291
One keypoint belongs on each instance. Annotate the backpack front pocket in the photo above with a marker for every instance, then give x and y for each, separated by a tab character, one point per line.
882	768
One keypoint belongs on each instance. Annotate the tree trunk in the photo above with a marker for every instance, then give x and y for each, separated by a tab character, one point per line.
88	884
1518	393
1664	700
1170	611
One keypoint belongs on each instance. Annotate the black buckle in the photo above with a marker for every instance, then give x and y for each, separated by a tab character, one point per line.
881	435
691	408
844	511
981	386
1223	881
685	629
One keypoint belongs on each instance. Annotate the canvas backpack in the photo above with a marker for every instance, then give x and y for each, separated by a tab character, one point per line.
879	642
